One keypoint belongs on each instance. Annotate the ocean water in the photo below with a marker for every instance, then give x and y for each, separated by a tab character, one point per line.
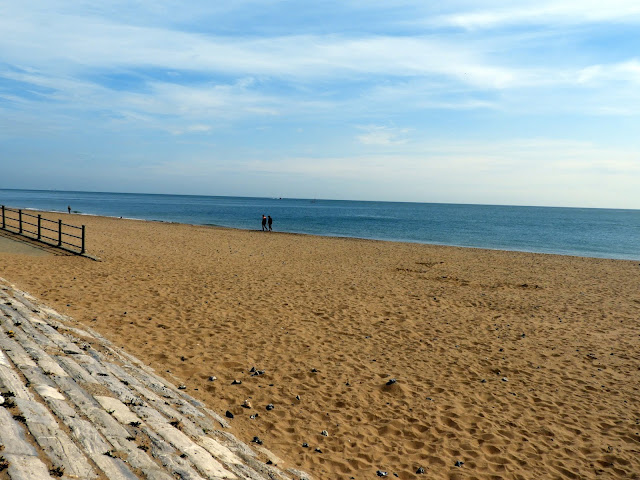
605	233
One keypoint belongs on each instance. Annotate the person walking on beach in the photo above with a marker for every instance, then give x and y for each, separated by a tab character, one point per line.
264	223
270	221
69	208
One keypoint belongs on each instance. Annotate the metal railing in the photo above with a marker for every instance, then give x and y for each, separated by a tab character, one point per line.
23	224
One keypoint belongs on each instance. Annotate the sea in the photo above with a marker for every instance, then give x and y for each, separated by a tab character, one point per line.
587	232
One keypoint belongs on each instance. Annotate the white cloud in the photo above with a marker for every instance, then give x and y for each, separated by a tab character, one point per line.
66	51
381	135
628	71
467	159
193	129
70	44
566	12
525	172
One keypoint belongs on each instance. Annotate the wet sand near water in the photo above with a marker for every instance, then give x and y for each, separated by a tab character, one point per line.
506	364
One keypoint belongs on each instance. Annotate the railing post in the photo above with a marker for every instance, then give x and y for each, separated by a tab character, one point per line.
59	233
20	221
39	225
4	224
82	250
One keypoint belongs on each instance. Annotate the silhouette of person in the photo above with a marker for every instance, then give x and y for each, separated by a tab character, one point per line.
264	223
69	208
270	221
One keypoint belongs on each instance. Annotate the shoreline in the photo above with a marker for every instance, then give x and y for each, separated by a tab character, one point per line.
210	225
517	364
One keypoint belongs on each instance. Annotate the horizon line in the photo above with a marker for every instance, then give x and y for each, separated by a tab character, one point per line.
322	199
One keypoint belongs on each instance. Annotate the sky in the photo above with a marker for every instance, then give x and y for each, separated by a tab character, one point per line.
486	102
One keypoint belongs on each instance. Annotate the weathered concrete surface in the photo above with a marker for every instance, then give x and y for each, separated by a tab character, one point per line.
13	243
76	408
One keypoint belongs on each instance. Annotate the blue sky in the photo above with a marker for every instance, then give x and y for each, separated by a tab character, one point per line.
523	103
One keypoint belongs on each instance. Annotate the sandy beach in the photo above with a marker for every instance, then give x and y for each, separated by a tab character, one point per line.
465	363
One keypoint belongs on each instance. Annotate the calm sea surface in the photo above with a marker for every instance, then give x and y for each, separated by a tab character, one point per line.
586	232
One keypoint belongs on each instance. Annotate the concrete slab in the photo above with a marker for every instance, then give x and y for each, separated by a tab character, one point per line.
15	246
14	351
48	391
62	452
13	436
35	412
25	467
118	409
13	383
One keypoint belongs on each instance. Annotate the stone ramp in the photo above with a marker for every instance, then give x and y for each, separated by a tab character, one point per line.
75	407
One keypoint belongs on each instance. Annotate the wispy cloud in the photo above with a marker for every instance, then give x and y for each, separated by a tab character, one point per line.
566	12
69	52
628	71
381	135
524	171
60	45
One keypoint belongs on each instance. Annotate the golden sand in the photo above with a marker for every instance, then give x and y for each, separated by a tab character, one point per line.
518	365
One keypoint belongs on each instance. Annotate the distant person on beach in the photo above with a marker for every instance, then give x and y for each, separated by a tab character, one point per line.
264	223
69	208
270	221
